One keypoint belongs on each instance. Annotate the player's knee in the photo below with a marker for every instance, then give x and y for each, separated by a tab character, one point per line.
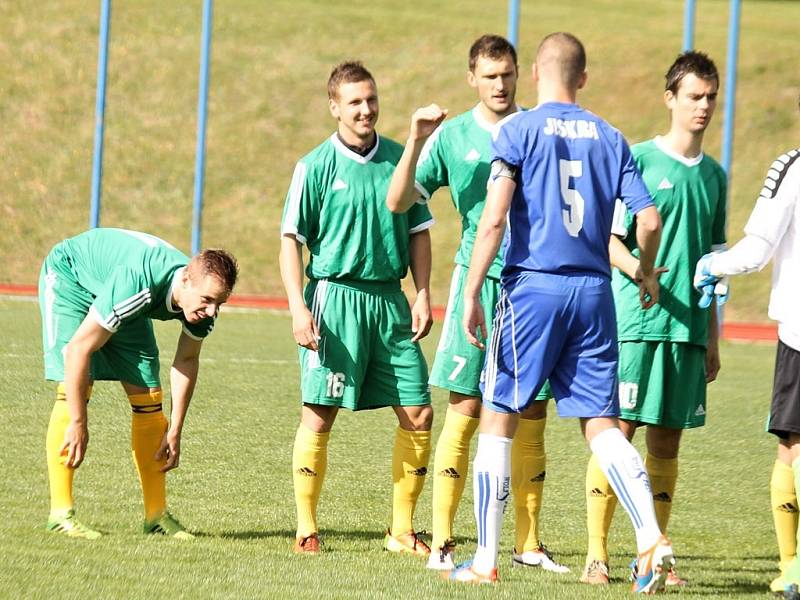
416	418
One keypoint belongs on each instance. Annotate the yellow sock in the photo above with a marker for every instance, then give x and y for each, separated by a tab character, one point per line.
663	474
409	467
148	426
59	475
450	467
309	462
784	511
528	462
600	504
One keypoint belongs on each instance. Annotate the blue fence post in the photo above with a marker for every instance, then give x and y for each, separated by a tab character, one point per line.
688	24
100	113
513	22
731	66
202	116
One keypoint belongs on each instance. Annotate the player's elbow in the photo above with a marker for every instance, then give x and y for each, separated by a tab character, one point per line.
648	221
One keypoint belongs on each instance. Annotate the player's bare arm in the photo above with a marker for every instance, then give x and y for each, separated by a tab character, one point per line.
304	328
713	362
182	379
622	259
89	337
402	194
648	237
419	250
491	228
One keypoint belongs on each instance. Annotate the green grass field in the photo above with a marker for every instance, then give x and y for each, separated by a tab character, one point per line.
234	488
268	106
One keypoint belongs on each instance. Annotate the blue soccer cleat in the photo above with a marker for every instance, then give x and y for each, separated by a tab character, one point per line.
653	567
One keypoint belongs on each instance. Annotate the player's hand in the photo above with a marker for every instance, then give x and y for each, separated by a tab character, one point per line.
712	362
649	287
425	120
474	322
421	317
76	438
170	450
305	330
705	281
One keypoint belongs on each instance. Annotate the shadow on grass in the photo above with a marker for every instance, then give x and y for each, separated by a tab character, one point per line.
290	533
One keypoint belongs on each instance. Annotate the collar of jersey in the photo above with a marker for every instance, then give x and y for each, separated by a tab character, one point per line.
689	162
481	120
175	278
337	143
559	104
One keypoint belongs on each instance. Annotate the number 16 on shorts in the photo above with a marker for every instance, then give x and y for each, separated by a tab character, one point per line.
335	388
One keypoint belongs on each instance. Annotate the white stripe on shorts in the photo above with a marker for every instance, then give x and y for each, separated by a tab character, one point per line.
444	338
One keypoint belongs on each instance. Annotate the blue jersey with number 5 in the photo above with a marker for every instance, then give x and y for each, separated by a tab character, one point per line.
571	167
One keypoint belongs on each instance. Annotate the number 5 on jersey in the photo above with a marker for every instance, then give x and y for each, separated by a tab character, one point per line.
573	215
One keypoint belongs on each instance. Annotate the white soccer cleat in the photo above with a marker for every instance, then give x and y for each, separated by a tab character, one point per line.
441	559
541	557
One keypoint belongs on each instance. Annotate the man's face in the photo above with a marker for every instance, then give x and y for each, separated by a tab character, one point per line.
694	103
356	109
201	296
496	83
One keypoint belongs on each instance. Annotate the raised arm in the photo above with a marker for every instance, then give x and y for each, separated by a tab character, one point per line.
419	250
402	193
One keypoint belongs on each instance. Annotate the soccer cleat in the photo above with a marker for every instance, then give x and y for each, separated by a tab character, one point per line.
442	558
653	566
71	527
595	573
541	557
672	579
406	543
307	545
464	573
777	585
169	526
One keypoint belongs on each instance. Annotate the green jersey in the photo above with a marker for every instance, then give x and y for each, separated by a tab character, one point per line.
337	206
457	155
690	195
130	275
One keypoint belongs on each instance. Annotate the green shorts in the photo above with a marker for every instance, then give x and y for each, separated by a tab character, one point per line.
130	355
366	358
458	364
663	383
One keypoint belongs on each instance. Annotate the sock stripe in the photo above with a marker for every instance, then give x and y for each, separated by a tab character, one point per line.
146	409
624	497
483	506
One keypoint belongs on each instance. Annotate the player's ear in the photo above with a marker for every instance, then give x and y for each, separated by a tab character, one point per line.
471	79
669	99
333	106
535	72
582	80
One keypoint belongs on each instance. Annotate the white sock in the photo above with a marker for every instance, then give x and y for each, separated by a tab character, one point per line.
491	483
625	471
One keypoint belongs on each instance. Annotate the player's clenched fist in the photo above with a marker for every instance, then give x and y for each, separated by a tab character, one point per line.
425	120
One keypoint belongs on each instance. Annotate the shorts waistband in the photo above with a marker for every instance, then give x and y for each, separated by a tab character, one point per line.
364	286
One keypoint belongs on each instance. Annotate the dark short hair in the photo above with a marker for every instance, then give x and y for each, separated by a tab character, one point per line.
219	263
691	61
351	71
491	46
571	58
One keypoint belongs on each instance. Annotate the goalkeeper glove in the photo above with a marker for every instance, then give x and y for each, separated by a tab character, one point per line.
709	284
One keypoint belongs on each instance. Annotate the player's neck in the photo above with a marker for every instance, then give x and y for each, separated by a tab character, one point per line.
548	92
355	143
685	143
492	117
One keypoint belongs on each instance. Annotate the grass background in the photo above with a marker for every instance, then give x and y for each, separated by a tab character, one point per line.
234	488
270	62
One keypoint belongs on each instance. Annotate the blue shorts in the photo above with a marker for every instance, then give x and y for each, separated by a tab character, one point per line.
557	327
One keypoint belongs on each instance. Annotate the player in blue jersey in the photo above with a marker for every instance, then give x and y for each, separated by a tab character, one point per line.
557	171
